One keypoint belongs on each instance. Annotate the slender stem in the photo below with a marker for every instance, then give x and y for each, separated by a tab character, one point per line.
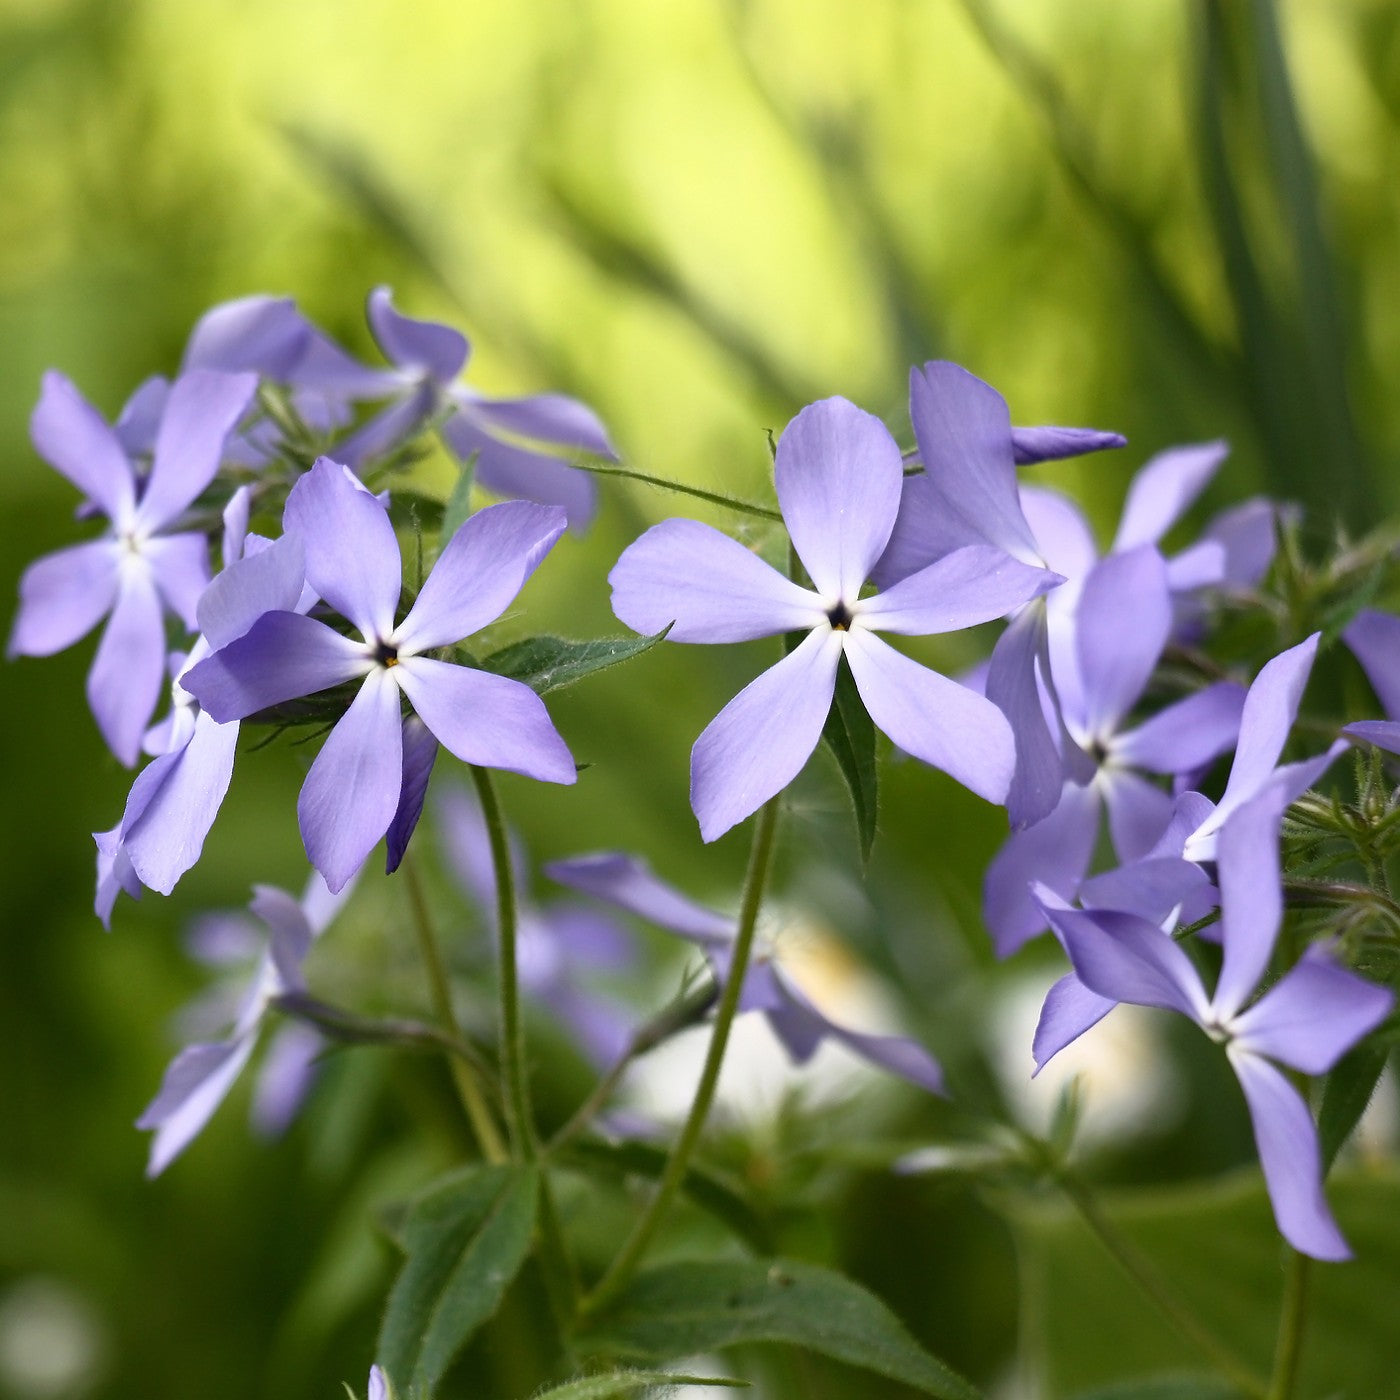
488	1136
518	1116
1137	1267
1291	1326
625	1265
717	498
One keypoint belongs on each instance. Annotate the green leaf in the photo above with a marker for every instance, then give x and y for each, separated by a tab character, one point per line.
466	1239
1180	1387
550	663
849	733
617	1385
459	501
704	1188
695	1306
1217	1248
1348	1090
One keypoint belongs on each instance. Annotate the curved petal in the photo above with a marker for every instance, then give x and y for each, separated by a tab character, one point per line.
1249	534
1050	444
923	532
187	788
1121	627
74	439
1150	888
261	333
1201	565
708	586
180	564
1184	736
508	469
437	351
1054	852
1125	958
352	791
838	475
1070	1009
1062	534
1163	490
203	407
352	556
1013	686
63	596
486	719
933	718
762	738
1374	639
555	418
971	585
963	430
196	1082
290	933
1383	733
1138	813
283	656
420	751
139	420
1291	1159
1312	1015
263	581
288	1068
628	883
478	574
128	672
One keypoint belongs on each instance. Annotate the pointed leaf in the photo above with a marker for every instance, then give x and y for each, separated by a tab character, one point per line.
459	501
850	735
1178	1387
620	1385
466	1239
695	1306
550	663
1348	1090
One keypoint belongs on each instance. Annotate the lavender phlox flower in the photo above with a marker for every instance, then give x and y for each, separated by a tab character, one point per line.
141	567
1374	639
516	442
627	883
356	784
379	1387
838	478
199	1078
174	800
1117	631
561	946
1305	1021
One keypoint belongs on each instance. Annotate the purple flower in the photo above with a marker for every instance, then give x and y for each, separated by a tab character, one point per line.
139	569
1306	1021
1374	639
505	435
199	1078
1119	626
838	477
354	789
628	884
560	945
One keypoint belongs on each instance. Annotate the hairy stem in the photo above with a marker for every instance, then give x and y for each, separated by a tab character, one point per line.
1291	1325
625	1265
488	1136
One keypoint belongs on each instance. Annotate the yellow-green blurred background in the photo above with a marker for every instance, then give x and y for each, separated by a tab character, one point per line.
697	215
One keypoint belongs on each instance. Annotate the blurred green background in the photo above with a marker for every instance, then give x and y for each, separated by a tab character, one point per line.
697	216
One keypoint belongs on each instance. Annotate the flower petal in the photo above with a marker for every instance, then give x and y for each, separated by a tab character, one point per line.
1069	1010
180	564
479	573
261	333
128	672
73	438
709	586
1138	813
1290	1156
204	406
1374	639
426	347
420	750
1186	735
1062	534
628	883
762	738
389	428
196	1082
1312	1015
63	596
971	585
1013	686
263	581
932	717
838	474
1163	490
486	719
508	469
352	791
352	557
555	418
283	656
1050	444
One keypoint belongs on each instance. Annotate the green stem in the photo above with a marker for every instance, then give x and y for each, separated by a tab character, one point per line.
1291	1326
488	1136
716	498
1154	1287
625	1265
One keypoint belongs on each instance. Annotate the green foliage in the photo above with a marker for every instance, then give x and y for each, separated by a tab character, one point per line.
694	1306
621	1385
849	733
459	501
465	1240
1176	1387
550	663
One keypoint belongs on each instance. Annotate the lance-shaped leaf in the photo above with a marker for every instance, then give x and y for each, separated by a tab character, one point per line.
696	1306
465	1239
849	733
622	1385
550	663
